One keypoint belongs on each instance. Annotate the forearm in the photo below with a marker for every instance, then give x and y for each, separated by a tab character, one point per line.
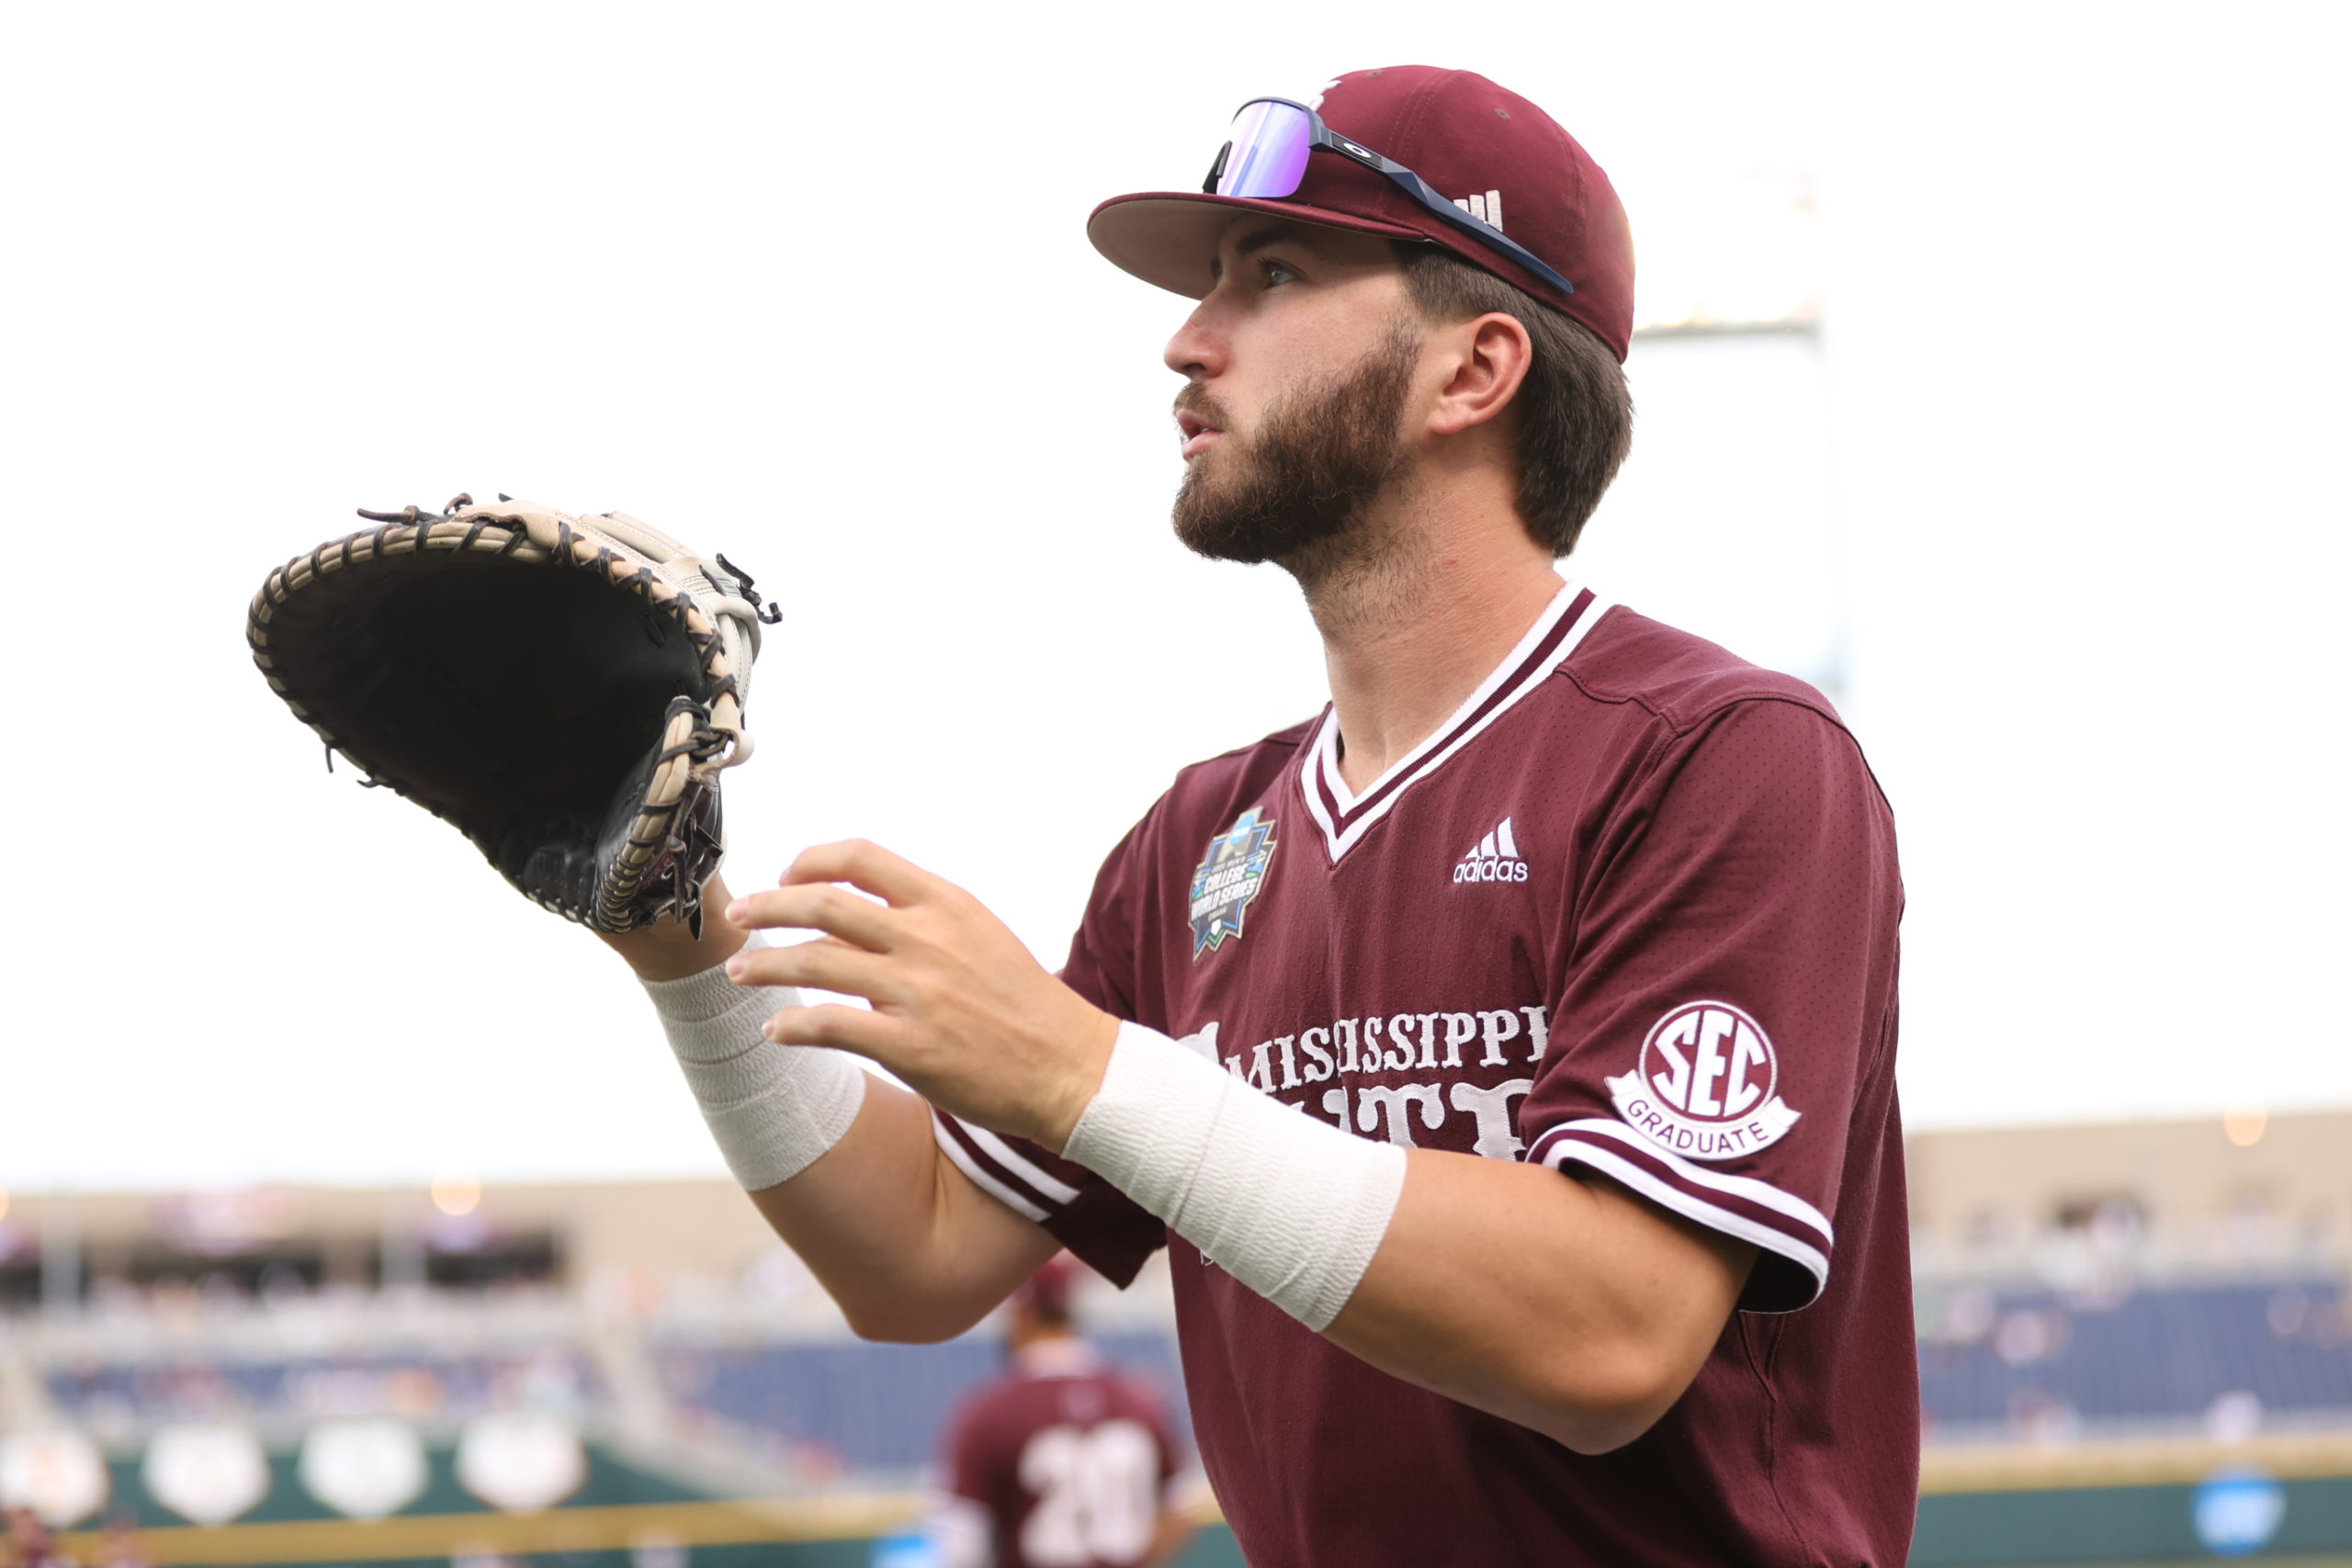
1574	1309
899	1238
1583	1316
1587	1337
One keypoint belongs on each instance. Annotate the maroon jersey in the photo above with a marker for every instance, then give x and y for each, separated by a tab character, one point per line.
1630	911
1068	1461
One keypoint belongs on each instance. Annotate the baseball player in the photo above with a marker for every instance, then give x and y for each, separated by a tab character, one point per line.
1063	1462
1506	1055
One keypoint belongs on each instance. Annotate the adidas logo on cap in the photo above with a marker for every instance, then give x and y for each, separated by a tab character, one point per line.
1487	206
1496	859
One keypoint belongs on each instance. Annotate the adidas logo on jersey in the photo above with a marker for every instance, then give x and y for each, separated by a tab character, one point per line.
1496	859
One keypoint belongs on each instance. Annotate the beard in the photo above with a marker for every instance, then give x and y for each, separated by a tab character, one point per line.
1299	487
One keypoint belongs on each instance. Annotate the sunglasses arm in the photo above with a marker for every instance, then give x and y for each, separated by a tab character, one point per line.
1439	207
1328	141
1217	170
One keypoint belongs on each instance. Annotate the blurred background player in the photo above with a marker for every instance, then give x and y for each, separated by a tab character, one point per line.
29	1543
1063	1462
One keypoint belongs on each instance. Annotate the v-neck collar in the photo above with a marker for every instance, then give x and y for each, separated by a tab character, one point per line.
1345	817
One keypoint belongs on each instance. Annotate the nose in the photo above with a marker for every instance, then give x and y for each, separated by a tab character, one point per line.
1198	350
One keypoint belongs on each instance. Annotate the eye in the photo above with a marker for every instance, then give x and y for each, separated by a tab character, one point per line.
1278	271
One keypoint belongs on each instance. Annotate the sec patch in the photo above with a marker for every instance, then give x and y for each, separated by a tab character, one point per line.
1707	1086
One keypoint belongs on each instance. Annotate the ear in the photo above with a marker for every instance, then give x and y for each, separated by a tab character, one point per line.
1491	355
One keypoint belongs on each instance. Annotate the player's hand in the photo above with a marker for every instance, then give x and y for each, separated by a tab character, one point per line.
961	1010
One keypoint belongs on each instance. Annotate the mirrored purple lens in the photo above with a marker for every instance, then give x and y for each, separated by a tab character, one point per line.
1270	142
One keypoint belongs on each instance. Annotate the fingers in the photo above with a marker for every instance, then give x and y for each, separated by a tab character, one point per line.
818	907
869	1035
825	966
865	865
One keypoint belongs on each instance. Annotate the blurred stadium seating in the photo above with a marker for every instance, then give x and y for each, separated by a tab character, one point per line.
132	1361
1999	1361
110	1396
877	1408
2226	1358
2135	1322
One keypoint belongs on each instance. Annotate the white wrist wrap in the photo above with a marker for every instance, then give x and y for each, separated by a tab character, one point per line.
1292	1207
772	1109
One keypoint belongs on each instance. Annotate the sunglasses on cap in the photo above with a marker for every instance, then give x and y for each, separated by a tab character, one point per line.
1266	158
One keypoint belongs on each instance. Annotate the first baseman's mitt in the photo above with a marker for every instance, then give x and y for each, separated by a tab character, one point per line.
563	689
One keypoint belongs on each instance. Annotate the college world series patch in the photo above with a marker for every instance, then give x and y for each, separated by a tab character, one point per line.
1229	877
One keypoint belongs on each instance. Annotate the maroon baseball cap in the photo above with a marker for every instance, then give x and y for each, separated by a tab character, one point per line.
1480	144
1048	1289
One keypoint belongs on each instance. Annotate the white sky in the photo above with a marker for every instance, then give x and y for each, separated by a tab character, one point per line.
810	286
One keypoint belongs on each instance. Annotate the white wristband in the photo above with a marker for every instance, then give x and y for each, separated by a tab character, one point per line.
772	1109
1292	1207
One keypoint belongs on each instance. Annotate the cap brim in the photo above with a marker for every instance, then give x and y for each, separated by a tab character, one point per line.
1169	238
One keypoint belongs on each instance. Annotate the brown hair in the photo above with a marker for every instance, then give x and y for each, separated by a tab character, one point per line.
1576	413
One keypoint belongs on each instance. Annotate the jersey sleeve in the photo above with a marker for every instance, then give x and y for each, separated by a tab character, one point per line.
1108	1230
1725	987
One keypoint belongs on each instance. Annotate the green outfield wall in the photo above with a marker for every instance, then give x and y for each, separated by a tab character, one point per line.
2116	1525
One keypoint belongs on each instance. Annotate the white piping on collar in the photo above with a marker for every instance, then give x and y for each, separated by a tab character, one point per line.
1345	817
